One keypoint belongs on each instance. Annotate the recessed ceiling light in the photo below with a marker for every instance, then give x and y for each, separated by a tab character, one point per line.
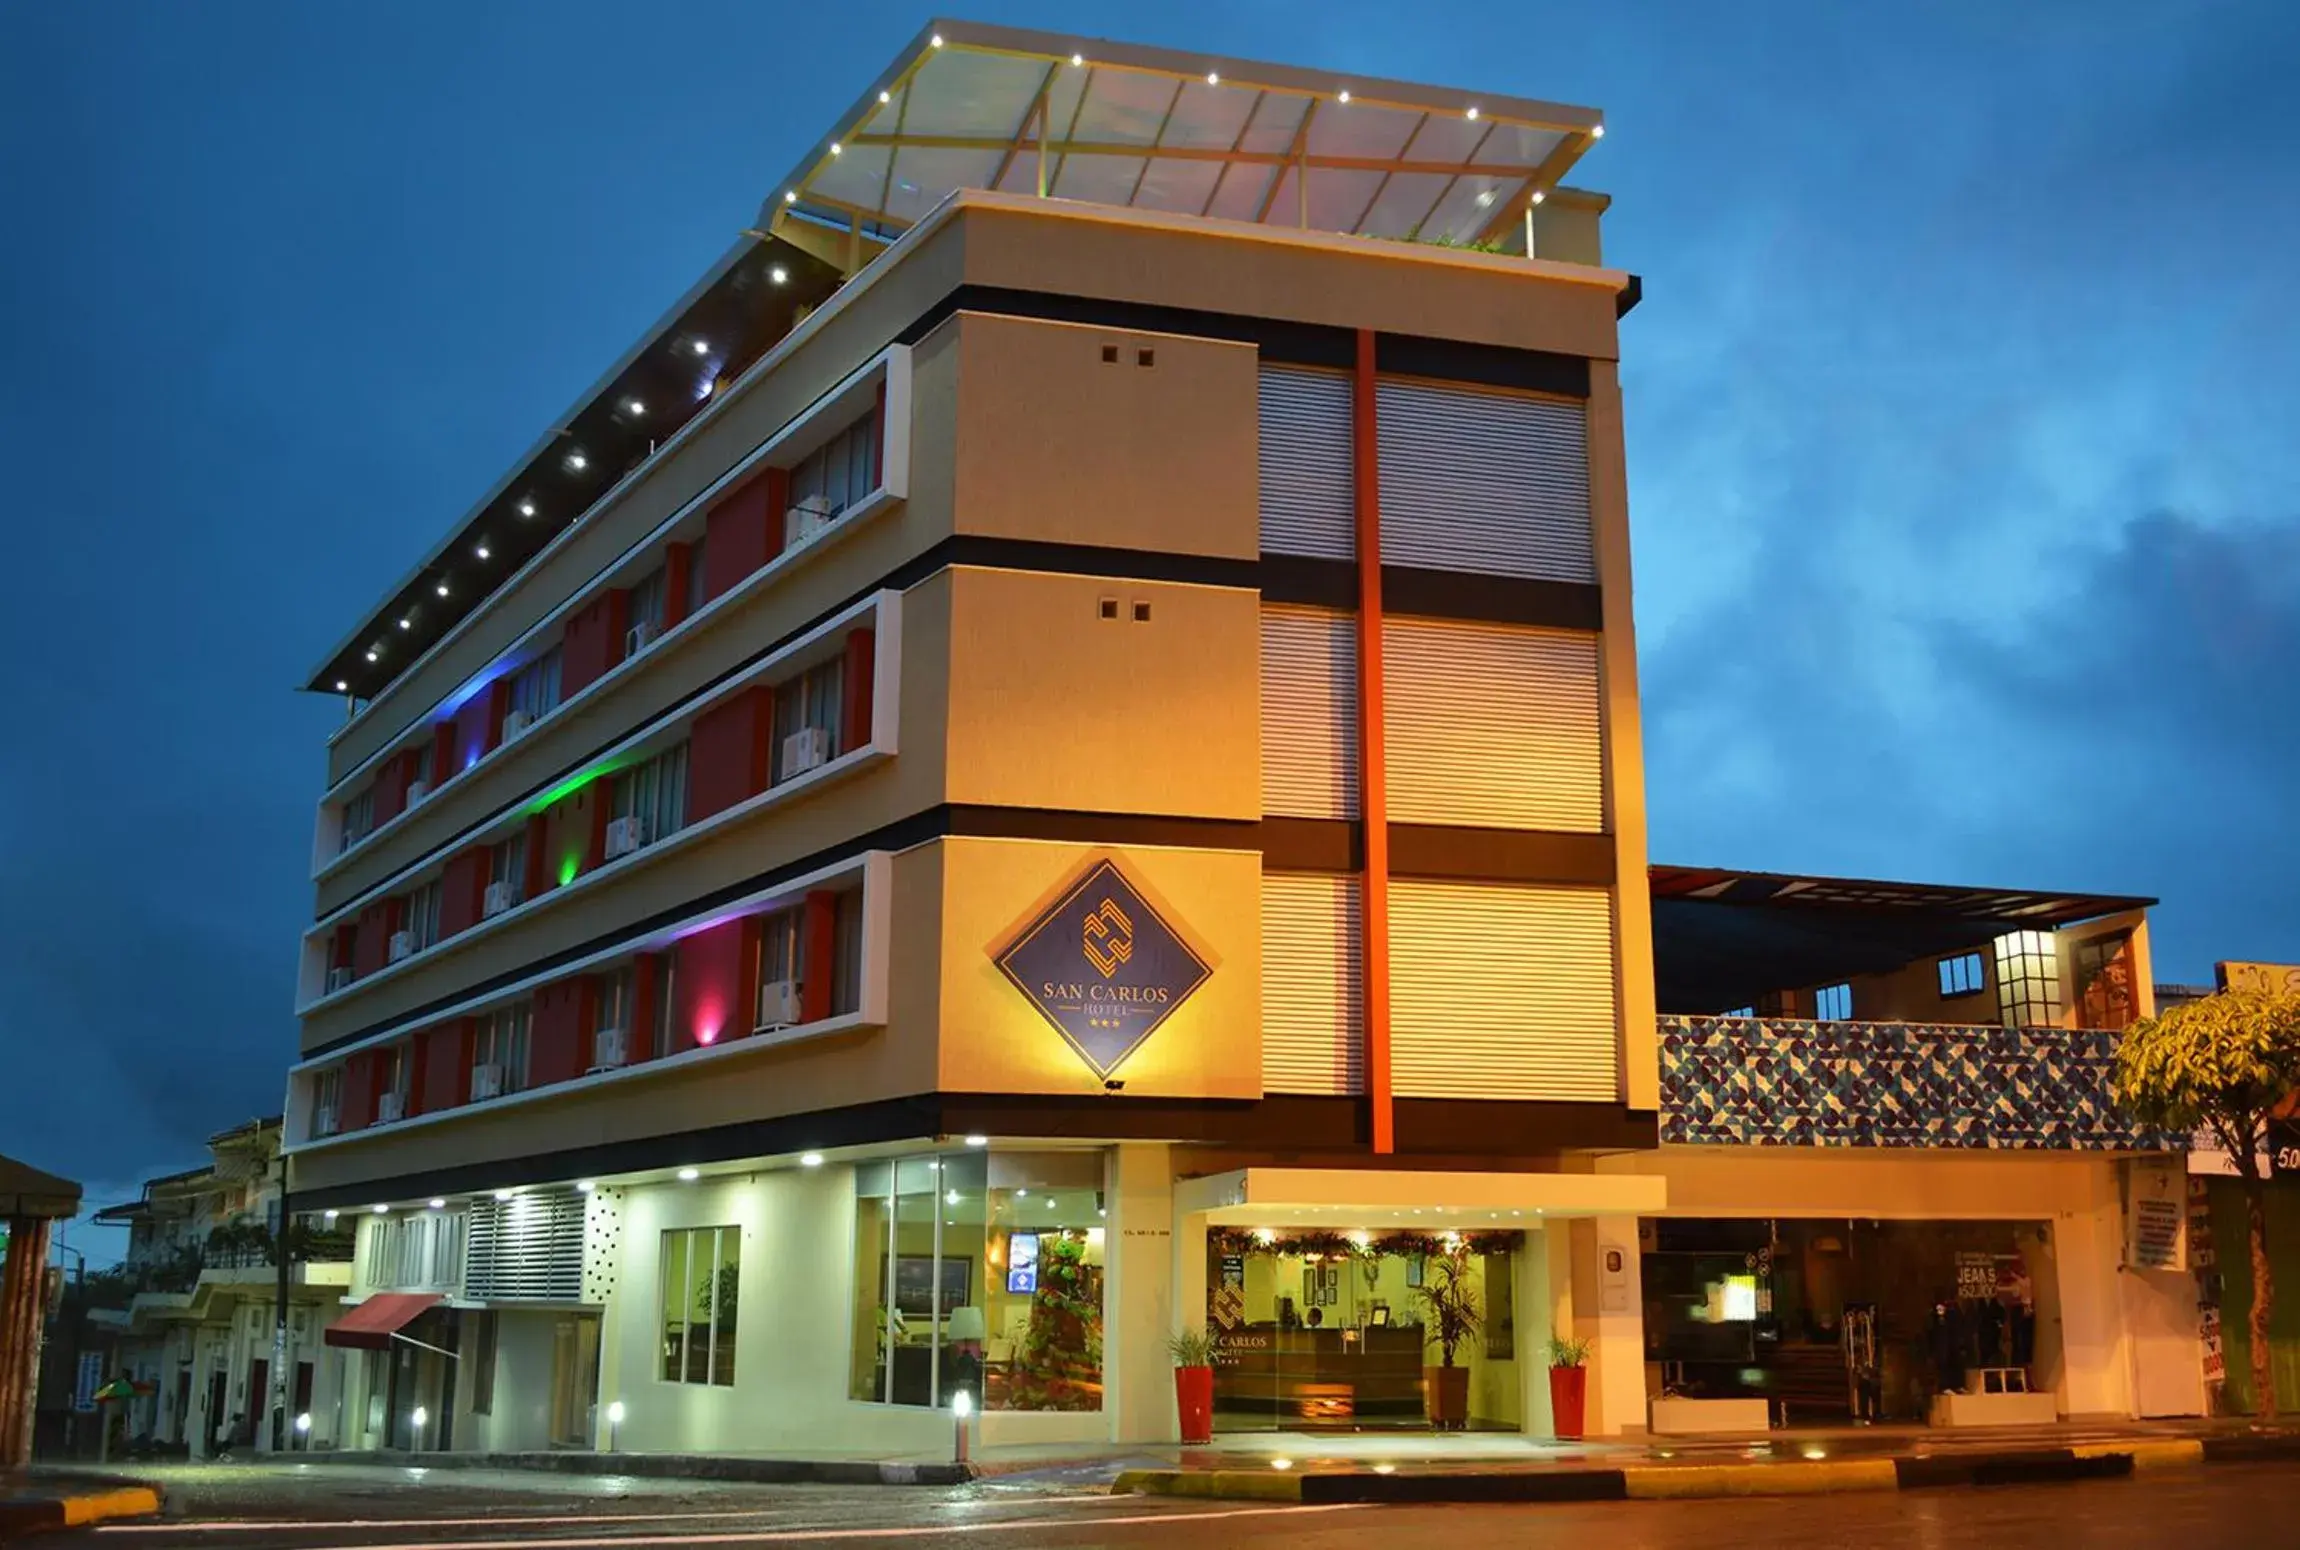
1473	115
1213	78
1597	131
689	1175
371	653
634	406
503	1194
578	461
1539	196
978	1140
481	551
527	508
837	149
702	347
1345	96
936	40
341	687
406	623
330	1215
810	1159
778	274
383	1210
436	1203
585	1186
885	97
1078	59
790	196
441	589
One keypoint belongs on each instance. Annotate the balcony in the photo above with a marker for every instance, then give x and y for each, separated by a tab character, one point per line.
1762	1081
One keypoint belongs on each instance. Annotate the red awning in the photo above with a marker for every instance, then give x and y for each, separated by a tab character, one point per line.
370	1326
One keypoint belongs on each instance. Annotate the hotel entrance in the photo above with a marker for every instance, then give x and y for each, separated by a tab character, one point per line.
1325	1330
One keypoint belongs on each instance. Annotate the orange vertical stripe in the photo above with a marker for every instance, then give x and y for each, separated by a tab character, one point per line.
1373	797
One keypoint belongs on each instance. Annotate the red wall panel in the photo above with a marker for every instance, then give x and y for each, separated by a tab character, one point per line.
727	752
373	940
676	604
559	1035
443	1066
594	641
358	1094
646	985
818	955
856	681
713	997
743	532
462	890
479	726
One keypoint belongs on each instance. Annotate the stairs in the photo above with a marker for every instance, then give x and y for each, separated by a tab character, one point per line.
1809	1380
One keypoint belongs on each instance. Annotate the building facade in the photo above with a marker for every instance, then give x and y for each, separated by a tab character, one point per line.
864	890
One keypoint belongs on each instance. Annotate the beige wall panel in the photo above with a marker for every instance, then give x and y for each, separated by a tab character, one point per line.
1054	706
1059	445
1490	298
995	1041
871	318
1879	1183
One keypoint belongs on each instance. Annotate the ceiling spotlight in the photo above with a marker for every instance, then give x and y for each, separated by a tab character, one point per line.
441	589
527	508
406	623
383	1210
503	1194
633	406
481	551
810	1159
702	347
1078	59
689	1175
341	687
1597	131
1473	115
585	1186
790	196
436	1203
936	40
837	149
1213	78
371	653
885	97
778	274
578	461
1345	97
978	1140
1539	196
329	1215
950	1197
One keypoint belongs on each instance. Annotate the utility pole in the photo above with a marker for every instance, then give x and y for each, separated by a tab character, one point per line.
281	1252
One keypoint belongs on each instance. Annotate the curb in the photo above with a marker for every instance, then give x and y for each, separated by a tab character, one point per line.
1687	1482
45	1514
667	1466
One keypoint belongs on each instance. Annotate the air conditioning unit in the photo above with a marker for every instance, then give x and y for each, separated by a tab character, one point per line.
807	748
402	945
390	1108
625	835
486	1082
803	522
610	1049
779	1004
515	725
499	897
417	790
323	1120
640	636
339	977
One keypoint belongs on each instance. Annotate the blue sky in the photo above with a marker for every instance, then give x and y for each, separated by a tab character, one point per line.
1960	414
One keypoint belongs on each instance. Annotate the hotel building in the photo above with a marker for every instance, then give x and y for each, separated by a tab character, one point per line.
1052	757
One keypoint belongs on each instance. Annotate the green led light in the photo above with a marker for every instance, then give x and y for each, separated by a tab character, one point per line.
569	787
567	870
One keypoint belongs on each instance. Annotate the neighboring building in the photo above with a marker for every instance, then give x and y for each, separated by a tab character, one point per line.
31	1203
898	755
197	1338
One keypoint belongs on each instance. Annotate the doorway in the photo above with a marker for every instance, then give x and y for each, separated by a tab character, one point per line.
574	1380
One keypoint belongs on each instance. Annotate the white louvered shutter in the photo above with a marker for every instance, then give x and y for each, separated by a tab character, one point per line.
527	1249
1313	987
1501	991
1309	713
1491	726
1309	495
1484	481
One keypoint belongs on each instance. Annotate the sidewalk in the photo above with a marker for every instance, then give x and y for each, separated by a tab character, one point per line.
39	1502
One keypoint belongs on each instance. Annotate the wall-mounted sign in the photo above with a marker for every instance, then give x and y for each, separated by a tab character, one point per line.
2268	978
1022	1264
1102	967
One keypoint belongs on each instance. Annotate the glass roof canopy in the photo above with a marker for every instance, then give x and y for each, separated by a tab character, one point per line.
967	105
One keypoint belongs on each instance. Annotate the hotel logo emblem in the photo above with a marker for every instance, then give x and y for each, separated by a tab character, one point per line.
1102	967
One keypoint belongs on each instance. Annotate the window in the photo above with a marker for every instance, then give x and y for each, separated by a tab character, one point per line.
1833	1003
1740	1011
421	920
327	1101
358	818
1961	975
483	1363
781	969
2028	980
655	793
535	687
841	471
666	968
421	768
649	600
414	1253
392	1073
701	1282
611	1001
507	866
846	942
501	1043
811	702
696	575
980	1272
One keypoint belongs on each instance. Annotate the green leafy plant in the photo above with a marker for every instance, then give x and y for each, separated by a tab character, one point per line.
1569	1351
2222	1065
1449	1302
1193	1347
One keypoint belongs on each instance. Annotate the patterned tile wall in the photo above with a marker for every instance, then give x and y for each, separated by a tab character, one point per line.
1757	1081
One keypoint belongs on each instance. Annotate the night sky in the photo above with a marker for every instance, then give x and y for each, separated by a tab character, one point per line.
1961	432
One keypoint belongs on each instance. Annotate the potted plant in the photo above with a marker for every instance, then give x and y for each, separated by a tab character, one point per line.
1568	1385
1449	1304
1193	1352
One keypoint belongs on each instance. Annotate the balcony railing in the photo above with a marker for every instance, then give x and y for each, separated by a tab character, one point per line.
1771	1081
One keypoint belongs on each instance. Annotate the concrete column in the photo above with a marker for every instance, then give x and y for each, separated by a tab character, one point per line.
1138	1249
1537	1323
1187	1297
1608	1312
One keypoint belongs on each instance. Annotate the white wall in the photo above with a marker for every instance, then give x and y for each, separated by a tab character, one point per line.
519	1416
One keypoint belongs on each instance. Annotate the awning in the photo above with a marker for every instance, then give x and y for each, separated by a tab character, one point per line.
1428	1201
371	1325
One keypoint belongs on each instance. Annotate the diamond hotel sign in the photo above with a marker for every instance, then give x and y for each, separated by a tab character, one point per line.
1102	967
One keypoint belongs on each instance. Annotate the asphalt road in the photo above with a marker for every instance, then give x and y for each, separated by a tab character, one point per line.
2216	1508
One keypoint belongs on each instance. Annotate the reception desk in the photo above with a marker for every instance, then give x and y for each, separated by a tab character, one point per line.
1319	1377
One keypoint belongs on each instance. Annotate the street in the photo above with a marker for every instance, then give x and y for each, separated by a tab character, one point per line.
343	1508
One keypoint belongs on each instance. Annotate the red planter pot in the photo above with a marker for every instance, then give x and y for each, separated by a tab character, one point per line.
1568	1400
1194	1400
